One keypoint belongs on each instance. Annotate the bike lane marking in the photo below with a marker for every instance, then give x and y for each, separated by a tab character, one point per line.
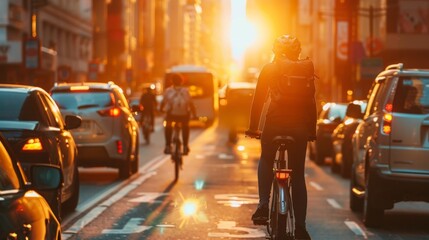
356	229
333	203
316	186
232	226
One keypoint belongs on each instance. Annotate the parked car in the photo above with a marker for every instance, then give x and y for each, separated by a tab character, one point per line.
391	144
31	122
109	134
235	105
24	214
342	139
331	115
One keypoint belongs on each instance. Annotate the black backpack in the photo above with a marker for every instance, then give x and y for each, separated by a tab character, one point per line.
294	81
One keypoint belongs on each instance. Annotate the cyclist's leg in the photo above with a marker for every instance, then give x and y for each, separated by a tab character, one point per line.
265	176
296	156
168	132
152	120
185	134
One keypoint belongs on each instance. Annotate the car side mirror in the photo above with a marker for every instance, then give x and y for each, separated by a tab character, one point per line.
46	177
72	122
354	111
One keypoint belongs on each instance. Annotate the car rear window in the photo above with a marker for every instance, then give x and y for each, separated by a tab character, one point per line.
82	100
18	107
412	96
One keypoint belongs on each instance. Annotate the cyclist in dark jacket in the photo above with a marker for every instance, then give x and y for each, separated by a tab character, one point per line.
149	103
295	117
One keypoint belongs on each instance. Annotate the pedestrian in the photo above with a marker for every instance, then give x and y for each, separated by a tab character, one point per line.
179	107
292	111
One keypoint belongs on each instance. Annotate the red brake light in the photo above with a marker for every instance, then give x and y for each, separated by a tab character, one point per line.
119	147
111	112
282	174
388	107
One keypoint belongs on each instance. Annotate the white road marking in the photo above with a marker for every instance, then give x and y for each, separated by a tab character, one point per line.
333	203
316	186
225	156
356	229
148	197
236	200
231	225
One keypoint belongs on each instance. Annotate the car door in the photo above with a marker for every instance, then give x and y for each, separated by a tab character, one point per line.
366	131
62	138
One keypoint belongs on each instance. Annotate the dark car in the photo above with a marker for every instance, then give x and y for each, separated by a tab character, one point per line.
235	104
342	139
109	134
331	115
32	123
24	214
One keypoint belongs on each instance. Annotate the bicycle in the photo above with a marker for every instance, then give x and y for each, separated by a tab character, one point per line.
280	224
281	219
177	153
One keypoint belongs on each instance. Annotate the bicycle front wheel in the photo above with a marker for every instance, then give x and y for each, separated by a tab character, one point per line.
177	157
281	226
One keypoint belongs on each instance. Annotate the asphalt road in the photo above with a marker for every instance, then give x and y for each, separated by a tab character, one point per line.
221	179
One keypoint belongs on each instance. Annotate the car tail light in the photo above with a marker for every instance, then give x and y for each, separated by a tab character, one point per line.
119	147
111	112
33	144
387	119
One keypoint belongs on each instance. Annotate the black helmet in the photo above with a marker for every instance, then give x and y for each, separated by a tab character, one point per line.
287	45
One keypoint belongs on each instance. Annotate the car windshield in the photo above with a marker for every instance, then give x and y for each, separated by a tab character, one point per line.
82	100
412	96
18	107
337	111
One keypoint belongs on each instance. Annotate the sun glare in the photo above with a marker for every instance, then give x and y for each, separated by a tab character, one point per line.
243	32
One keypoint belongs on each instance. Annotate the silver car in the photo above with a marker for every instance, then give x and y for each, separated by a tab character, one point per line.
109	134
391	144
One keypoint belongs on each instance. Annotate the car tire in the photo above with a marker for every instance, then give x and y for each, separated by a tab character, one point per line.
356	202
346	163
335	167
135	165
320	155
71	204
232	135
372	212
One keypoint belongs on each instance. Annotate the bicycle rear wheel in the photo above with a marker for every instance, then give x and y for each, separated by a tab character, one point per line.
281	226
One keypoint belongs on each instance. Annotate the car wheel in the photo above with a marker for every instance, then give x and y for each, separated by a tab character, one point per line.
335	167
135	165
346	163
372	212
126	169
356	202
320	155
72	202
232	135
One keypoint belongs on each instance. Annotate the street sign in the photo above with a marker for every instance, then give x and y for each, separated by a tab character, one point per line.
32	53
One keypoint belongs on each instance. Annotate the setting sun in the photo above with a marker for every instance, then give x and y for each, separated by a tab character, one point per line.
243	32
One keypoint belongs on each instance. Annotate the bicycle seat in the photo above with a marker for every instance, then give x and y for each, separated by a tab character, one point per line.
283	140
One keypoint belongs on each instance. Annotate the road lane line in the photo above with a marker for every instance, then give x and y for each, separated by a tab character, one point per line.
316	186
356	229
148	170
333	203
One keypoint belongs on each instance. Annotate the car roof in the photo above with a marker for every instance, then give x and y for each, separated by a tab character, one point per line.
90	85
19	88
399	70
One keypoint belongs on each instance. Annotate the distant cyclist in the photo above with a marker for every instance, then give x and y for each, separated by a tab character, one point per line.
291	112
149	104
179	107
